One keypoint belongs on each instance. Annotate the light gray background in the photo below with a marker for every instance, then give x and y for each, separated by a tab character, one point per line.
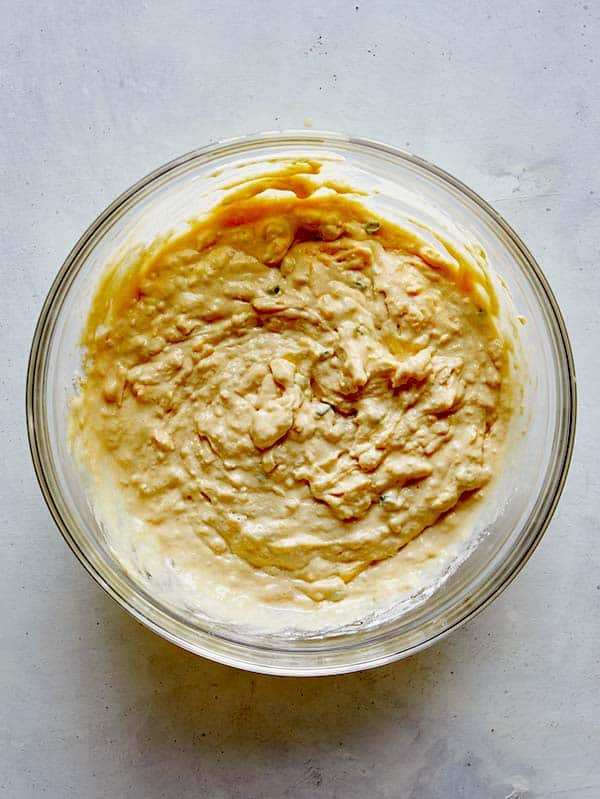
94	95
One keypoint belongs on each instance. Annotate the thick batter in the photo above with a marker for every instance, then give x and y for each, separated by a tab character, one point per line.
285	396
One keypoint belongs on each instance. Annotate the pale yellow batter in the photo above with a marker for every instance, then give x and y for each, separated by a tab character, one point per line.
285	396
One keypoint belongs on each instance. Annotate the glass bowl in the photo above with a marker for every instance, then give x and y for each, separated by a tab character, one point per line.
525	494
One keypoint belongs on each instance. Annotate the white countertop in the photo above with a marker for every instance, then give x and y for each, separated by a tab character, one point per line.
94	95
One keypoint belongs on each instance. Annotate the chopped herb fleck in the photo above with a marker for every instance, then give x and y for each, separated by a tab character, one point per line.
359	330
323	411
383	498
372	227
274	290
359	284
325	355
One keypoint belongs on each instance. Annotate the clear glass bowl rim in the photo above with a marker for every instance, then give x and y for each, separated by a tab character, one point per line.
42	457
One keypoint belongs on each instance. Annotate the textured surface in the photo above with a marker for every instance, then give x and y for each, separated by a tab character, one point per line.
93	95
